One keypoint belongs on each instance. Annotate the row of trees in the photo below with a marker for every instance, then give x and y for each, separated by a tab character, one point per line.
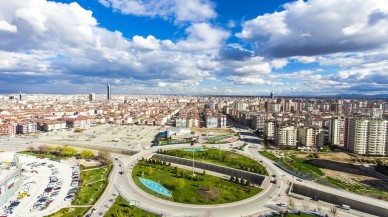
67	151
178	173
255	168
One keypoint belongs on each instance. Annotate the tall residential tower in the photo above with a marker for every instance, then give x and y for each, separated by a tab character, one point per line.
108	92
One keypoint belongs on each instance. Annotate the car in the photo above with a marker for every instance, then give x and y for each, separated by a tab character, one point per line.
69	197
273	175
94	210
282	204
299	180
48	189
345	207
72	191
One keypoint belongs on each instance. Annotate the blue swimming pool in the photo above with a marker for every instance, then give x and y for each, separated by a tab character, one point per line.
154	186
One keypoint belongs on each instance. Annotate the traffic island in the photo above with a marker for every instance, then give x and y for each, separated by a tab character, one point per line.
191	188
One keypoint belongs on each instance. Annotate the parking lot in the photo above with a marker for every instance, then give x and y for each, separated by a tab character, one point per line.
48	186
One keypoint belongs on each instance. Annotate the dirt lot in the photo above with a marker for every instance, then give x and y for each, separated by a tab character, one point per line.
340	166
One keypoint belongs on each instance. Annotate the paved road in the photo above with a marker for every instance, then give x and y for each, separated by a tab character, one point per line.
124	185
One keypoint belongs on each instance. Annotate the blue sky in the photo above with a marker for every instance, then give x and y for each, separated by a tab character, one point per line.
246	47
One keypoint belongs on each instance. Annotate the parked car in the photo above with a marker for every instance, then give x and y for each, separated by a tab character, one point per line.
69	197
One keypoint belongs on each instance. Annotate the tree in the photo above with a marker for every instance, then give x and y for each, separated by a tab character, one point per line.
150	171
87	154
55	149
305	205
333	211
180	184
31	148
44	149
291	204
104	157
69	151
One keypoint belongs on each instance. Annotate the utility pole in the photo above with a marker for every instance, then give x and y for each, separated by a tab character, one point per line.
193	162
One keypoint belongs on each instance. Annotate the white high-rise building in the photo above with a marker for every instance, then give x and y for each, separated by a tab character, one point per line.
337	131
367	136
357	135
269	127
377	137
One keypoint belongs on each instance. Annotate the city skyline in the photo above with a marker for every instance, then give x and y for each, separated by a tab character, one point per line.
200	47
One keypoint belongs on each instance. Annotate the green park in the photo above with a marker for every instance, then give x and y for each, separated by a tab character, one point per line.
186	187
220	157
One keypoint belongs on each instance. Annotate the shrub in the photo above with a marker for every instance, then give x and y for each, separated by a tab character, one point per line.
87	154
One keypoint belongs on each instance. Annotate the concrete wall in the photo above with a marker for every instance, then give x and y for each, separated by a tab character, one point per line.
335	199
253	177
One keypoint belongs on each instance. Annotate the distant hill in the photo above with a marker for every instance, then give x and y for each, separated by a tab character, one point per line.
361	96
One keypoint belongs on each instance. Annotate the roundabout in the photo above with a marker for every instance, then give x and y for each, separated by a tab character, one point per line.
188	188
130	190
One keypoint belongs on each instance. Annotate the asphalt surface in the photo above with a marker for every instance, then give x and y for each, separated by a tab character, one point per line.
263	202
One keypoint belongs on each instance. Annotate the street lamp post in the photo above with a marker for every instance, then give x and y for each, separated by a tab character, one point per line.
193	162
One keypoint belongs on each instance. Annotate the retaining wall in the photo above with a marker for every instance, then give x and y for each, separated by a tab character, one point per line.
332	197
253	177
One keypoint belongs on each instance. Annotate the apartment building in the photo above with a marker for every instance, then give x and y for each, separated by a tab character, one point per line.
269	128
285	135
367	136
211	121
26	127
311	137
337	131
258	121
7	129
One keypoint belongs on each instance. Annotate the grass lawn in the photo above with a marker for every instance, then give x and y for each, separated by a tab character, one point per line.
269	155
205	190
121	207
51	156
162	142
95	174
304	166
69	212
226	158
89	194
217	138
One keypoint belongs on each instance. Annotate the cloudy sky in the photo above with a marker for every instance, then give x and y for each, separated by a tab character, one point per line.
245	47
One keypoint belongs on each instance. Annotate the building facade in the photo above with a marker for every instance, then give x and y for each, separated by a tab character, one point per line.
285	135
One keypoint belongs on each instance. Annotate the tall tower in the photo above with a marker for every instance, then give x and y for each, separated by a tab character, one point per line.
92	96
108	92
271	95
